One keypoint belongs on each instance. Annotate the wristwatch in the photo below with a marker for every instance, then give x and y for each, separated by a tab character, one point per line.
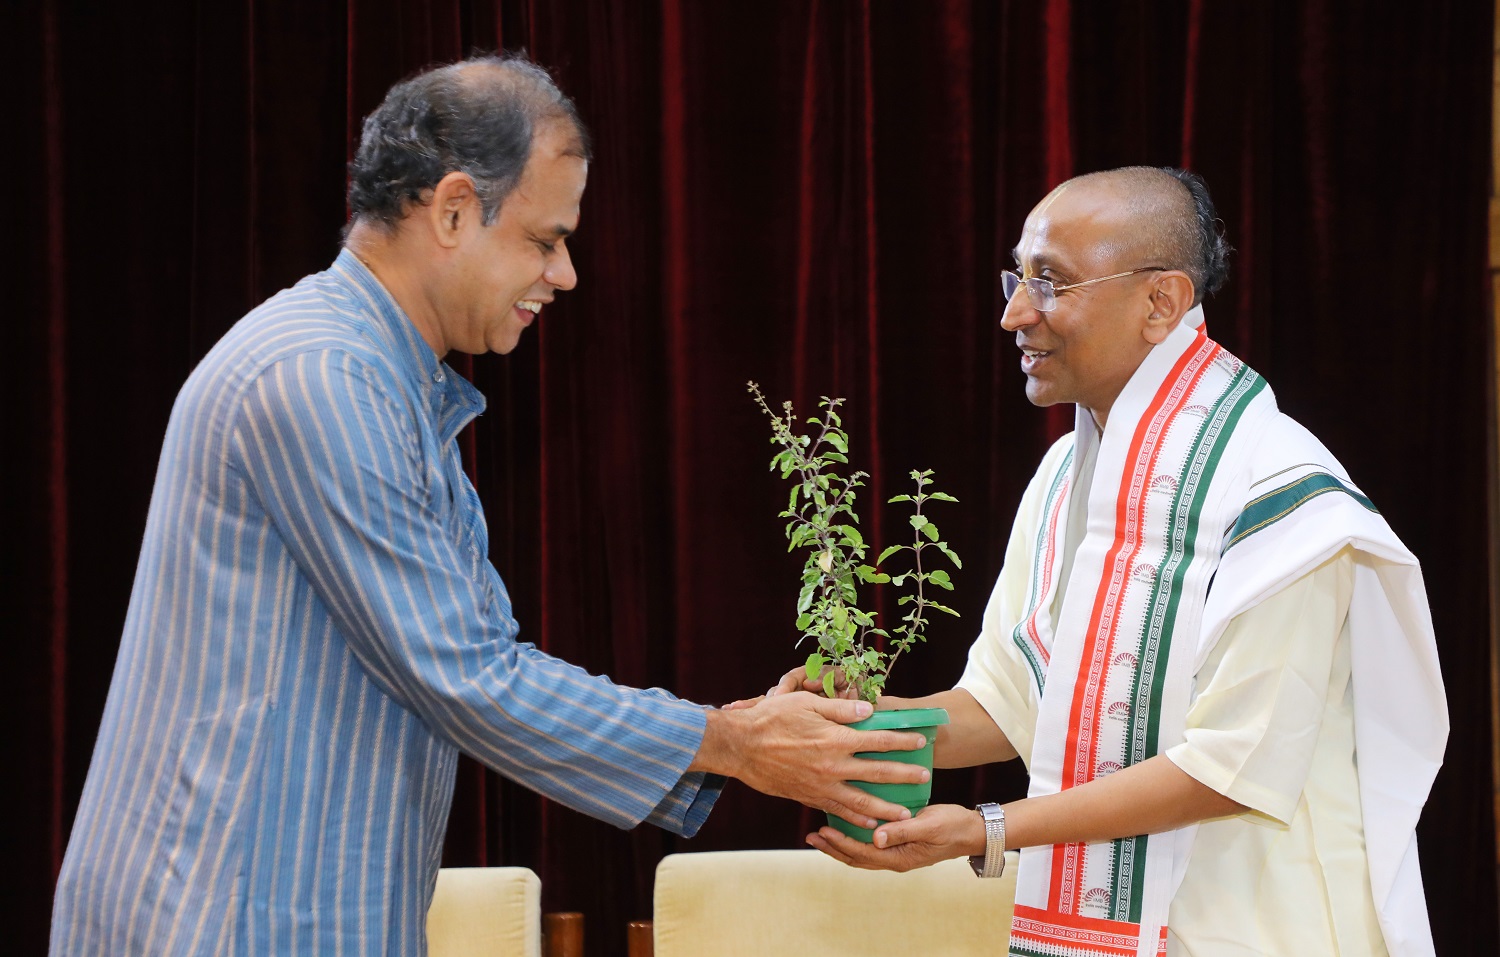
992	862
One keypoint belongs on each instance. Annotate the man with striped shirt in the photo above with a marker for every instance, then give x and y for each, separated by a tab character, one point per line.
1213	654
315	631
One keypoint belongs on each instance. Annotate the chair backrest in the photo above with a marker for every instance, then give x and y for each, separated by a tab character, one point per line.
485	912
732	903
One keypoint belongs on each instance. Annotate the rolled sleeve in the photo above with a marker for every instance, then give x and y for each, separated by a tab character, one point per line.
1253	727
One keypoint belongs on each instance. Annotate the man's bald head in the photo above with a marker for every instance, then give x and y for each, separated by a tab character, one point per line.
1166	219
479	117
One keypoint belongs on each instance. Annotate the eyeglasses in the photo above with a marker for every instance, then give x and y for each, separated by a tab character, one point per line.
1043	293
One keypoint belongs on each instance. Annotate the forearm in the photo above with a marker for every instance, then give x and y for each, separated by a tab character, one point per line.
1147	798
971	736
724	736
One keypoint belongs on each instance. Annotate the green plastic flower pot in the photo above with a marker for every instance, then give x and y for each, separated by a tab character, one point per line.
914	797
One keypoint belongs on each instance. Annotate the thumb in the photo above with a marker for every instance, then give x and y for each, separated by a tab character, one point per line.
743	703
843	710
790	682
898	832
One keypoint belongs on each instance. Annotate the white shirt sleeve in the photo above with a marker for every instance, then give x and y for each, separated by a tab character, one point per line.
997	674
1258	708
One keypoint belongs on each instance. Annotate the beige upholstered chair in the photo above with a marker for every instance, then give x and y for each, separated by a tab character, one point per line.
485	912
733	903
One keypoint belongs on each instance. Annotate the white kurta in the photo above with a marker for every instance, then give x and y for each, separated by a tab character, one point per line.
1271	726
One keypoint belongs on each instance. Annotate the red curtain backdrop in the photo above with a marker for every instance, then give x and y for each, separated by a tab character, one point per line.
817	195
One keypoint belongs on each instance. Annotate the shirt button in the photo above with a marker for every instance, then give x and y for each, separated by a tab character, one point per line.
437	376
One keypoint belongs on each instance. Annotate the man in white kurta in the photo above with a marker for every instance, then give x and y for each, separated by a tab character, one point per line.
1271	728
1230	737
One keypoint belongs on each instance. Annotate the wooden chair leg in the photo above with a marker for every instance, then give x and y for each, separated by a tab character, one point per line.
639	941
562	934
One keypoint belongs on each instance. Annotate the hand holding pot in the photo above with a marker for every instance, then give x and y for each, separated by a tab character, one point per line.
795	746
938	832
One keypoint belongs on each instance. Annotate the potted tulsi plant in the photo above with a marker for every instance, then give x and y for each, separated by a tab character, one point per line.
848	645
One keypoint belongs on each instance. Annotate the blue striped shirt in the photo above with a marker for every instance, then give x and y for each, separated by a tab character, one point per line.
315	632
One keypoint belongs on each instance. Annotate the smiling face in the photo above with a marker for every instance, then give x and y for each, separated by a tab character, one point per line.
499	277
1086	349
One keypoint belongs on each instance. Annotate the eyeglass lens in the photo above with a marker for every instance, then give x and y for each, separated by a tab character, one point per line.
1043	298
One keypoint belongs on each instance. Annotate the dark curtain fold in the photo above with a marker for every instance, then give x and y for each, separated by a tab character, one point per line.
816	195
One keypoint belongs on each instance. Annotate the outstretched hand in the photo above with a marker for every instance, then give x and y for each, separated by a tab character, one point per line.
795	745
939	832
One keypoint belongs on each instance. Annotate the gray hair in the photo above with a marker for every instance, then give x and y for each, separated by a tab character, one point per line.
477	116
1178	225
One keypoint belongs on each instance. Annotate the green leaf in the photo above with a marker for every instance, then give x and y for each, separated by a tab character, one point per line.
940	578
918	521
791	502
840	617
891	550
952	556
905	599
834	457
880	578
931	531
838	440
804	600
941	496
865	573
815	664
943	608
804	620
828	688
899	580
898	498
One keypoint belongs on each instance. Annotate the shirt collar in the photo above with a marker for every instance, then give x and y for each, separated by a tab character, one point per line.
451	399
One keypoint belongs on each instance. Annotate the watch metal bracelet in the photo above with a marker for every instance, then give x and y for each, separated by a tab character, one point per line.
992	862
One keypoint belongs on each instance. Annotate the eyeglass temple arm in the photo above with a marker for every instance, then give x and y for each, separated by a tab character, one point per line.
1118	275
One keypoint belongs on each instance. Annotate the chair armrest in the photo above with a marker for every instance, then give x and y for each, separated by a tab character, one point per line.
732	903
485	912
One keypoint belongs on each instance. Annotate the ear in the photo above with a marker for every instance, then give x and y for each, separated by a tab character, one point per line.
1171	298
453	209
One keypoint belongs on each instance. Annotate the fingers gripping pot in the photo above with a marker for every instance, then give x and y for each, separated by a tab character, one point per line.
913	797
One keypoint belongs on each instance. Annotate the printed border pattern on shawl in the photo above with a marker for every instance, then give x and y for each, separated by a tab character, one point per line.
1150	677
1039	933
1169	453
1026	635
1268	509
